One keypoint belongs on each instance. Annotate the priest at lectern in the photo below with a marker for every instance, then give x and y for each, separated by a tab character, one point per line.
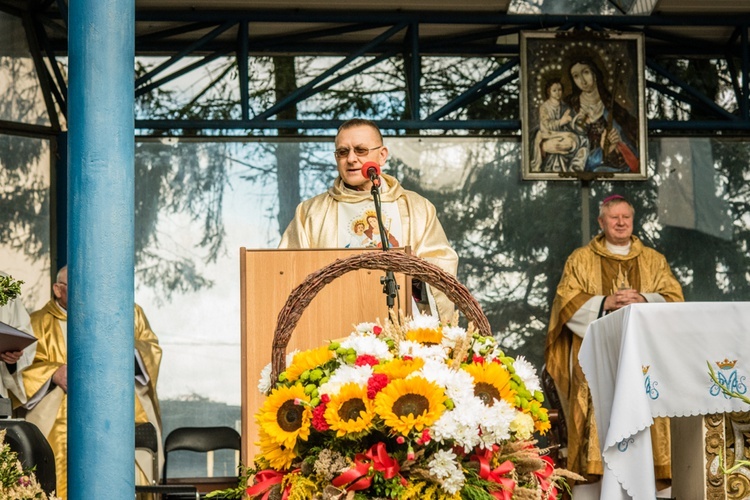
345	217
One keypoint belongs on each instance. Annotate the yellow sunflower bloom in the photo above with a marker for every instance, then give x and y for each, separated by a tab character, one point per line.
491	382
307	360
426	336
350	410
279	457
399	368
410	404
282	418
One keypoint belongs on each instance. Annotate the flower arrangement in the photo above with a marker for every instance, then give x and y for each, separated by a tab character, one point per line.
15	482
421	410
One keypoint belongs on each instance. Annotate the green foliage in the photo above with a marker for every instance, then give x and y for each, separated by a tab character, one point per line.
473	492
234	493
9	289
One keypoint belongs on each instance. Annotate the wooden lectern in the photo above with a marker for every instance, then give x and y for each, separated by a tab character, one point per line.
267	277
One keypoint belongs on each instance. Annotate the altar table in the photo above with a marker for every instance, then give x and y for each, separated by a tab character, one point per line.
650	360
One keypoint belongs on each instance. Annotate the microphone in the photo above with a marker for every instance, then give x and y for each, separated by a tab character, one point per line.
371	170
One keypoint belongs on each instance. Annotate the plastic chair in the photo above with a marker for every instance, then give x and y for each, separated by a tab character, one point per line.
202	440
147	439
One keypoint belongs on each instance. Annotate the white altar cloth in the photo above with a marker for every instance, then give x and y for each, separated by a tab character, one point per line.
649	360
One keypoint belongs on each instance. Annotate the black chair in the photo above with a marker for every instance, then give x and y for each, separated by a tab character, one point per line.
200	440
146	438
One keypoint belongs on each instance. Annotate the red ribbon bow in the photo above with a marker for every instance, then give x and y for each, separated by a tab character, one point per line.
376	458
496	475
544	475
264	481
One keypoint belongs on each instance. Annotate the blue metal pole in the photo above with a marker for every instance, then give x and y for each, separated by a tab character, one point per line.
101	433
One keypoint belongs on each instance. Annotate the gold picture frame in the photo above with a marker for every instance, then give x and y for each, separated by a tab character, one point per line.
583	106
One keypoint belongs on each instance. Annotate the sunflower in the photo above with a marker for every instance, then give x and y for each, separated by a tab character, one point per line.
491	382
307	360
350	410
407	404
399	368
283	418
279	456
426	336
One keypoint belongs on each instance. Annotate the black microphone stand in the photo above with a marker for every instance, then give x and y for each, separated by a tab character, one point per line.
388	281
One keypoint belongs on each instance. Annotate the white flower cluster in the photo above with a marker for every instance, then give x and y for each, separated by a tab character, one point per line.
367	343
445	468
527	372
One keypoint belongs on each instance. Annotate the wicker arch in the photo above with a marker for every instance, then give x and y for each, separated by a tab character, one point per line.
400	262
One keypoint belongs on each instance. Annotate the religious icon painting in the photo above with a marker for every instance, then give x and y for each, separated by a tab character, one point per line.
583	106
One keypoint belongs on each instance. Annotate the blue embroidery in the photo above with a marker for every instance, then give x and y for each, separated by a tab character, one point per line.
623	445
734	383
651	390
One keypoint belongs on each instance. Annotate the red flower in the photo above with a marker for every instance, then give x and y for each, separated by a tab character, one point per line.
366	359
477	359
318	420
377	330
375	384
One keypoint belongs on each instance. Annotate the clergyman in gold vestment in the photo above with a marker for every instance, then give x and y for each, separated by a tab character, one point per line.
46	379
337	218
614	270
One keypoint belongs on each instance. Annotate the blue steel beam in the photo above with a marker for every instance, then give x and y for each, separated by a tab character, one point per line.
101	429
413	70
481	41
172	32
189	48
242	67
58	86
256	124
709	104
471	93
182	71
298	93
744	95
46	82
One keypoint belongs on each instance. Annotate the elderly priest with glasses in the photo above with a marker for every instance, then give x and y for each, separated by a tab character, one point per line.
344	216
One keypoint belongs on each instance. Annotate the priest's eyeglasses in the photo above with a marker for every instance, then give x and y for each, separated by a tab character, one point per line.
359	151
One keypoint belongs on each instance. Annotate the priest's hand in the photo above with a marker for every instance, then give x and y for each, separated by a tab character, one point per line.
60	378
11	357
622	298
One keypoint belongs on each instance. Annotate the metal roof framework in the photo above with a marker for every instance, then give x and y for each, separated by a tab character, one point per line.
364	38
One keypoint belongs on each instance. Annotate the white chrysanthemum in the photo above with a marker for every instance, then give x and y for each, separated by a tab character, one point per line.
528	375
417	350
522	426
368	344
495	423
265	383
423	321
444	467
344	375
451	335
460	426
458	384
364	328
